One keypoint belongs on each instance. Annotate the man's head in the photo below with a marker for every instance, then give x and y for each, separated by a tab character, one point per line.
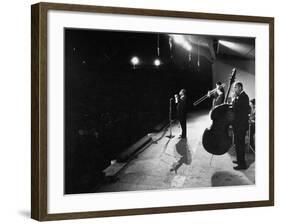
238	87
219	87
182	92
218	84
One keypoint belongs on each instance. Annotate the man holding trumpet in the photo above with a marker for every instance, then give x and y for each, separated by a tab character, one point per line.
217	94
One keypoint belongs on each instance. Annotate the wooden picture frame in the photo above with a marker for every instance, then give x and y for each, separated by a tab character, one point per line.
39	108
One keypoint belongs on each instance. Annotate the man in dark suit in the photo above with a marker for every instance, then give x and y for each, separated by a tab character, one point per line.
181	111
241	111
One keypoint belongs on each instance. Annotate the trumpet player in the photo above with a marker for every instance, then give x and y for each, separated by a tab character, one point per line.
218	95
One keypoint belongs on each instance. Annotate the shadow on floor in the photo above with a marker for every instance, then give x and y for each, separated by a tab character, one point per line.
249	155
184	153
225	178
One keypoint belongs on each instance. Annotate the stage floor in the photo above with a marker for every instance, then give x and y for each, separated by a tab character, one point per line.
180	163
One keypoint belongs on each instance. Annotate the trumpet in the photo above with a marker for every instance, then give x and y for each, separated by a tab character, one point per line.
210	93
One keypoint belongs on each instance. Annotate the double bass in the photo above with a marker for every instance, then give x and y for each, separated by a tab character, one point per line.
216	139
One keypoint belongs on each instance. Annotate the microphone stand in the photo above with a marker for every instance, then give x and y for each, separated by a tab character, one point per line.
170	119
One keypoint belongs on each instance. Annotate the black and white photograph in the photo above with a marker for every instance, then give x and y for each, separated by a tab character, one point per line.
141	111
147	111
135	111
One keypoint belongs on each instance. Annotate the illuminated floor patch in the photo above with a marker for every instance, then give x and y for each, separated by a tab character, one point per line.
178	181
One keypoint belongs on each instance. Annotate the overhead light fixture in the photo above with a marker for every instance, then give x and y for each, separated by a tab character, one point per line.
158	47
189	57
157	62
135	61
198	54
216	46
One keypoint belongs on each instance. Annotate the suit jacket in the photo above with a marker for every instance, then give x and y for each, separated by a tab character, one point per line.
241	110
182	108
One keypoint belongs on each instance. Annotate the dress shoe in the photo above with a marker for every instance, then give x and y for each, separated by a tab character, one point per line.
235	161
240	167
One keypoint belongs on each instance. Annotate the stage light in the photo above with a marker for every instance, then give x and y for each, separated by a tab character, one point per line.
186	46
227	43
135	61
157	62
180	40
238	47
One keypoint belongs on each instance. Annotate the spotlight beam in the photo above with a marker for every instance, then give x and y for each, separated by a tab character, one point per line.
180	40
237	47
